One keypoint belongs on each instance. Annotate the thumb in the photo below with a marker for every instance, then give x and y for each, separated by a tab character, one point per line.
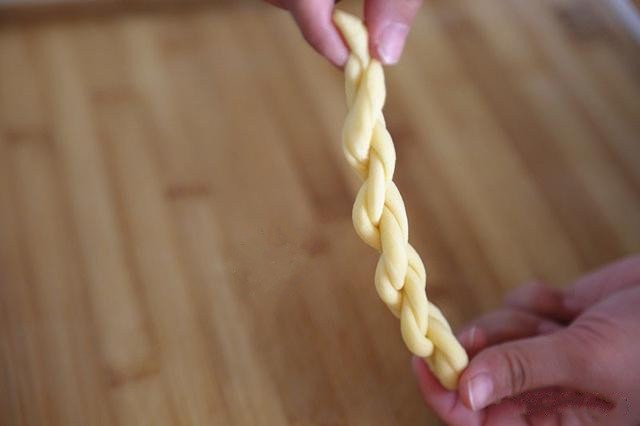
388	22
512	368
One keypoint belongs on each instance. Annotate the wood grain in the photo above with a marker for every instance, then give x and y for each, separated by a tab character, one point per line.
175	235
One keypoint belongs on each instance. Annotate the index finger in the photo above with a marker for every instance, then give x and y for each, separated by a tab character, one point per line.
314	19
444	402
540	299
603	282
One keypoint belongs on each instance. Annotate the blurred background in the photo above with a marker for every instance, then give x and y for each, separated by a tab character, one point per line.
176	243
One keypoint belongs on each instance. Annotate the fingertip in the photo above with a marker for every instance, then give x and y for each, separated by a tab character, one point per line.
532	293
339	57
433	393
314	20
465	337
444	402
389	22
476	385
426	380
332	46
473	339
478	391
541	299
464	389
329	44
389	44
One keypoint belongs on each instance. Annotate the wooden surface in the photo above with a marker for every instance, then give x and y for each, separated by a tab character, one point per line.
175	235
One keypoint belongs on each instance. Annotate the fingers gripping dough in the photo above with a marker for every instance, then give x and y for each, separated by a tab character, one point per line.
379	215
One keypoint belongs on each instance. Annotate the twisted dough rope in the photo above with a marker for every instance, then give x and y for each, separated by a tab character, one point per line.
379	215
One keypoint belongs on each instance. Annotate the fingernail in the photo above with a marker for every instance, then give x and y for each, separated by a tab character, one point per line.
391	42
473	337
465	338
479	390
468	337
339	58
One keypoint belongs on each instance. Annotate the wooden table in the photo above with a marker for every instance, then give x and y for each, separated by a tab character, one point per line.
175	235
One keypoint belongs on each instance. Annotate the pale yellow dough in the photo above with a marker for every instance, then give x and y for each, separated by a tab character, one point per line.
379	215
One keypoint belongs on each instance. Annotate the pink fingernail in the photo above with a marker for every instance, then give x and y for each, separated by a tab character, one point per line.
473	339
468	337
479	391
340	57
391	42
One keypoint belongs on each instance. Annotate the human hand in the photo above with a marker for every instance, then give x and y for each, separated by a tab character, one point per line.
529	367
388	23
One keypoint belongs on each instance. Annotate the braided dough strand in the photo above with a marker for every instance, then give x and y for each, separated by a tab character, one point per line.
379	215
